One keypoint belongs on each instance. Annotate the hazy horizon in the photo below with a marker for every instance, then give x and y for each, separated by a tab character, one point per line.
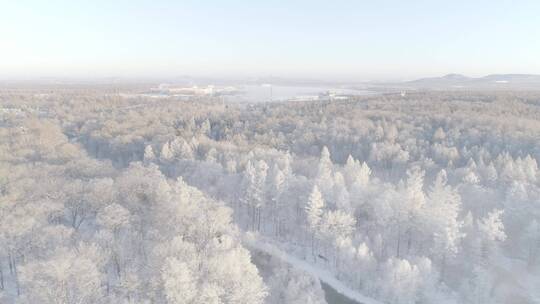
347	41
212	79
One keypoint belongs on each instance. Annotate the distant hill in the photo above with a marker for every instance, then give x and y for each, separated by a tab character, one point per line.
494	81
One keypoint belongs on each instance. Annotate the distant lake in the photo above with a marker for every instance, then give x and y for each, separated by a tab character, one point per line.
265	93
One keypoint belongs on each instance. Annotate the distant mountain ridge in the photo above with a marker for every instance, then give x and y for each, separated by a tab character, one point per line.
500	81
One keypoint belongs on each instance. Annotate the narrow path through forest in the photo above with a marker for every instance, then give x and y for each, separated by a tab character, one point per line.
324	276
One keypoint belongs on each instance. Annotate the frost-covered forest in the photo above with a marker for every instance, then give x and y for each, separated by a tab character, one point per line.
432	197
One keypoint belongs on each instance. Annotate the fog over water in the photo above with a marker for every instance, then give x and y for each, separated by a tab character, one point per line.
268	92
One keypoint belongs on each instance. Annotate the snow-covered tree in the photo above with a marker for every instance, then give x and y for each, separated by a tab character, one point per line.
324	172
166	152
314	208
180	284
149	155
442	211
68	276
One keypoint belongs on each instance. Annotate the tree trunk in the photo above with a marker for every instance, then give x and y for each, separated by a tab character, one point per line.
1	278
313	246
73	219
258	218
117	266
78	224
398	241
10	264
337	259
16	276
409	241
443	267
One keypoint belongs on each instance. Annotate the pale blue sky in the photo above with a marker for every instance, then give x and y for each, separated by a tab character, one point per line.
356	40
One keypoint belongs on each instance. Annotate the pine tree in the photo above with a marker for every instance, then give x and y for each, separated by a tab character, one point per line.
166	153
314	208
324	172
491	230
314	212
149	155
